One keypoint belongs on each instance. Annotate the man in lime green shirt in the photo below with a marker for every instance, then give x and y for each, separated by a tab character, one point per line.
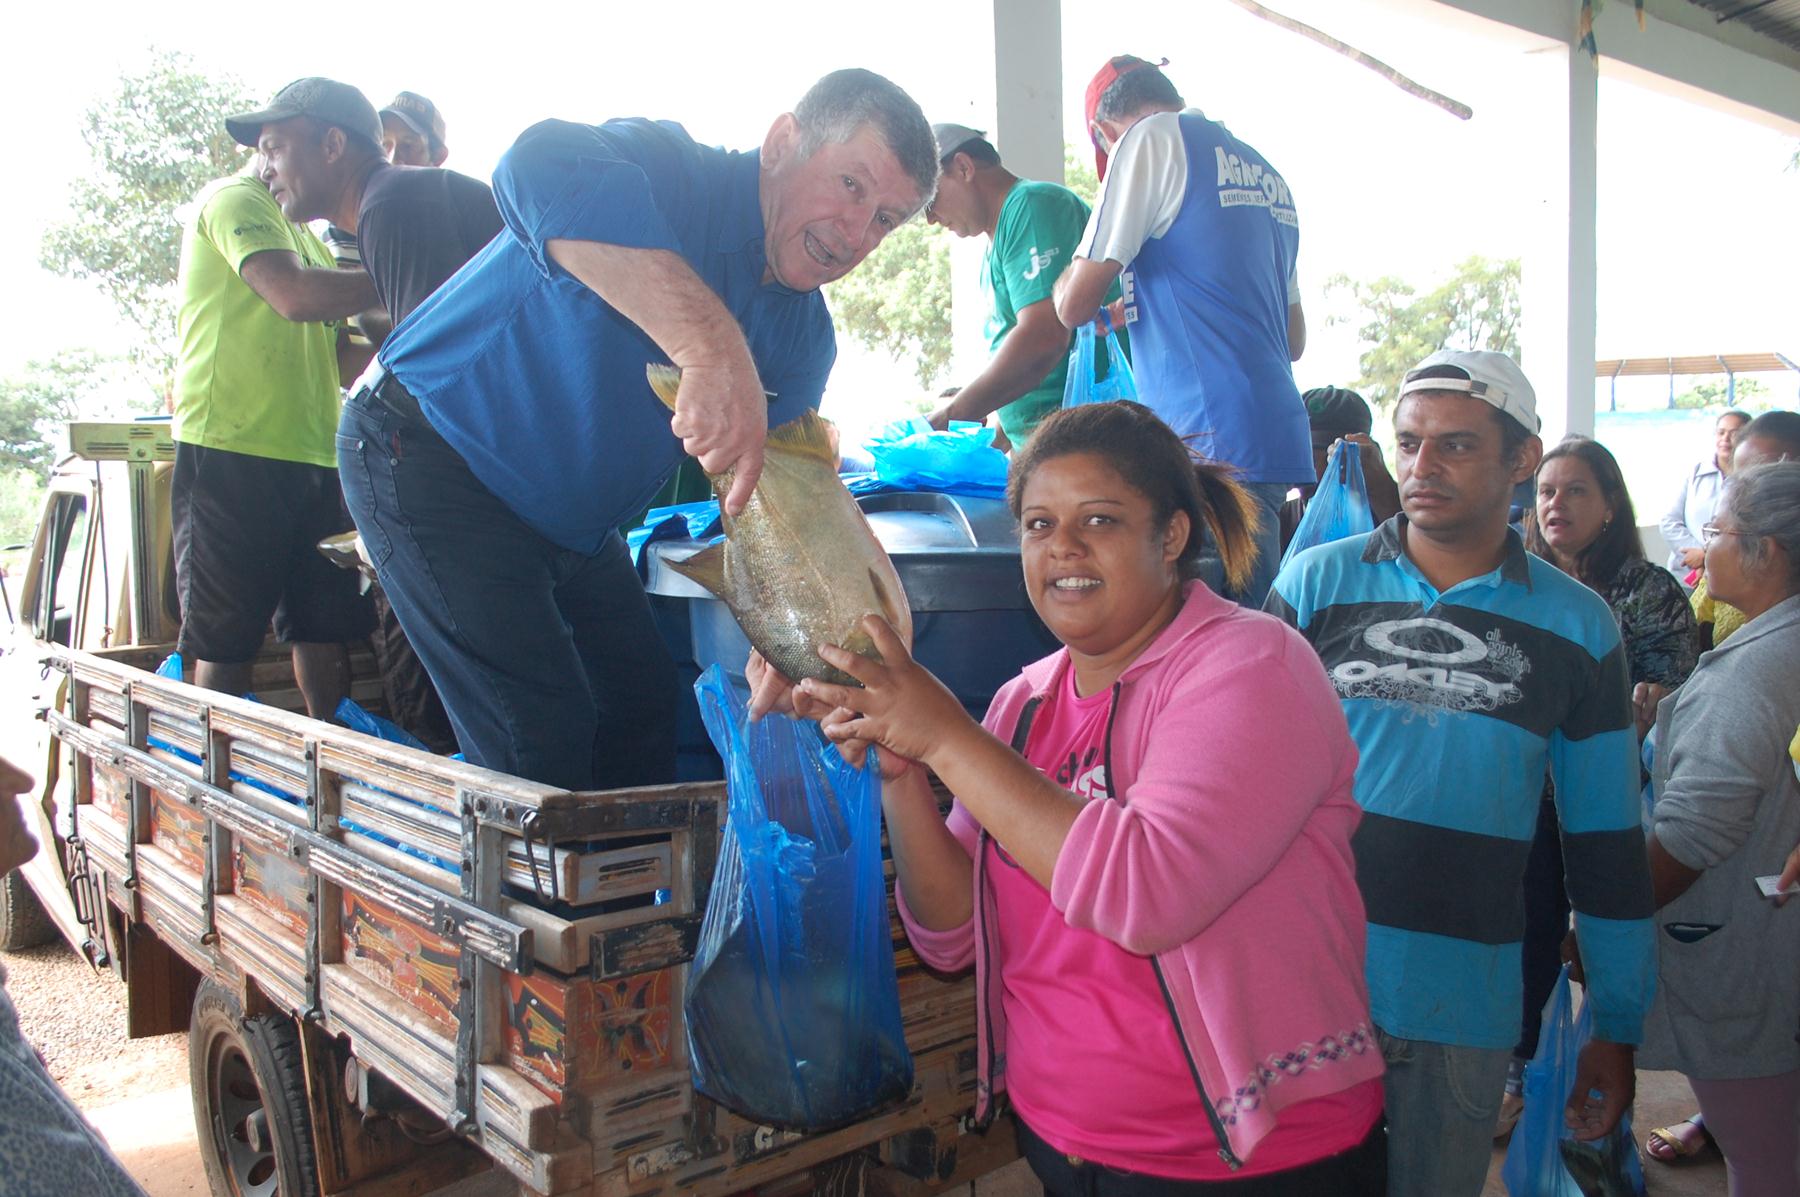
1032	230
256	409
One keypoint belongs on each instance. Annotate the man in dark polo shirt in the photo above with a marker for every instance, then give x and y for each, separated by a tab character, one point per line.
416	227
511	429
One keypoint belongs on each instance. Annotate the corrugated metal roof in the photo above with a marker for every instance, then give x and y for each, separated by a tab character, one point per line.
1724	363
1777	19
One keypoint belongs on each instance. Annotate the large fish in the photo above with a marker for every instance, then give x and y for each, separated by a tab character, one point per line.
800	566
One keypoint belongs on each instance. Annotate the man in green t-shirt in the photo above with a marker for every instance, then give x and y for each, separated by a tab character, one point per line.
256	395
1032	230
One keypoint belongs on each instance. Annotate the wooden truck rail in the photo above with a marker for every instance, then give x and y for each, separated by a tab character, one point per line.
524	985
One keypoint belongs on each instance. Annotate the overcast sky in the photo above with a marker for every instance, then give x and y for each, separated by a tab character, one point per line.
1699	241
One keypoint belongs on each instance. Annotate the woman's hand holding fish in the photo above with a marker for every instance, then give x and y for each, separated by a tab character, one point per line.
855	751
901	706
770	690
722	418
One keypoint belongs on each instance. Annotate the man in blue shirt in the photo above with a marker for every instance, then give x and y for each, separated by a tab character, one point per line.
1205	233
508	429
1467	667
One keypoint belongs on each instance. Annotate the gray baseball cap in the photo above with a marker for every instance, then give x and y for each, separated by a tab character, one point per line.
951	138
324	100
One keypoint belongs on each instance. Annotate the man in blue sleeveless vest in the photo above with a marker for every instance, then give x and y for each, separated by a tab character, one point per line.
1204	231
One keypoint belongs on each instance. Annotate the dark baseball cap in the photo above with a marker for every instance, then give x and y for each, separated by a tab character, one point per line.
1338	409
420	115
325	100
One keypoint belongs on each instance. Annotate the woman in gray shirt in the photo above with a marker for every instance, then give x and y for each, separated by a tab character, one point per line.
1727	811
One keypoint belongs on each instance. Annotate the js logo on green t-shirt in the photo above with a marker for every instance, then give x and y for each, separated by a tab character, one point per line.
1040	261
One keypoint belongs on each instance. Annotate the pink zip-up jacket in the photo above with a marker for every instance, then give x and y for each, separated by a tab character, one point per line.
1224	855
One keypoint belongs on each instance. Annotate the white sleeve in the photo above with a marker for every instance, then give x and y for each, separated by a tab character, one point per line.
1146	180
1294	285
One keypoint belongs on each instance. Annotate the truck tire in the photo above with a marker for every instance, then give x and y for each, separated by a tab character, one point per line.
23	923
250	1107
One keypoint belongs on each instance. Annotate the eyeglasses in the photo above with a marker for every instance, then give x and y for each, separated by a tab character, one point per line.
1712	532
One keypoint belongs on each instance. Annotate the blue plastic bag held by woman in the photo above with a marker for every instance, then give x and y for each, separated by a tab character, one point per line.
1096	377
1339	507
1544	1159
793	1010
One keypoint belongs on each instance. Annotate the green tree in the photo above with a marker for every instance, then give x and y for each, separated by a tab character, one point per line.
898	300
1079	175
1477	307
1752	394
154	142
38	400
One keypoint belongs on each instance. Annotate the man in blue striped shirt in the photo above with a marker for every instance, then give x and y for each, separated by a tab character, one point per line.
1467	668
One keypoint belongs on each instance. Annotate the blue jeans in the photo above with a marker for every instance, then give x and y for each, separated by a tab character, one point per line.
547	660
1269	497
1442	1101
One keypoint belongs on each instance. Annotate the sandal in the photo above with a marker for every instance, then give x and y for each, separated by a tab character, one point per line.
1683	1141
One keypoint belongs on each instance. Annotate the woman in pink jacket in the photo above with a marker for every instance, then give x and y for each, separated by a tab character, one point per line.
1148	862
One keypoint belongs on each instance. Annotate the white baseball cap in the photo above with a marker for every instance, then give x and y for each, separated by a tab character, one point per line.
1493	378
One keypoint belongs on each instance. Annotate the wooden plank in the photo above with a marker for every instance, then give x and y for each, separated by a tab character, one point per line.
159	984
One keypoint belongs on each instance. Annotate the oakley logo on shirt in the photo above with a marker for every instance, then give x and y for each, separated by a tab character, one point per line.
1441	666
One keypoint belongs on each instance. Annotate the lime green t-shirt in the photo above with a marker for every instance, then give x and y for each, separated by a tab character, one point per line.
1039	229
248	380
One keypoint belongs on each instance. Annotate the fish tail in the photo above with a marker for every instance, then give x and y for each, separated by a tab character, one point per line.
665	381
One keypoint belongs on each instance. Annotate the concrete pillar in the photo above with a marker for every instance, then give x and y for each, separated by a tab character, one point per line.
1557	155
1024	96
1028	125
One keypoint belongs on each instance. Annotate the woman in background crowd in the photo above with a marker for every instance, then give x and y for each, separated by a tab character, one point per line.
1584	524
1727	812
1699	495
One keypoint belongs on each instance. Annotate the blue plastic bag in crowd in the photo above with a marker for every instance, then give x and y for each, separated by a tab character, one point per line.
793	1009
352	715
1544	1159
1339	507
1093	379
911	455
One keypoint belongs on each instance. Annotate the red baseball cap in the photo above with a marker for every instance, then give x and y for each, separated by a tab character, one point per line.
1124	64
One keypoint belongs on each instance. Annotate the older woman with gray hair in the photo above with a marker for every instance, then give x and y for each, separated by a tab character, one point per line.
1727	812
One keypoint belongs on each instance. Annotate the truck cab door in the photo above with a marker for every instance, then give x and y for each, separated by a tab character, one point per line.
52	609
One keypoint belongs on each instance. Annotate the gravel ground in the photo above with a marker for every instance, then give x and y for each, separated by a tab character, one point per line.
75	1018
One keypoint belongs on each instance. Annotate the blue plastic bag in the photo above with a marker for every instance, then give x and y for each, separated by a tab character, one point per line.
793	1009
1339	507
911	455
1095	377
352	715
1544	1159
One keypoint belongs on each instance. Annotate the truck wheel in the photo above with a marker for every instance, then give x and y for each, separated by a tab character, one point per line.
23	923
250	1102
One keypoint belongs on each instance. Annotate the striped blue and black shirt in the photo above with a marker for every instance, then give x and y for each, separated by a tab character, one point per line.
1459	702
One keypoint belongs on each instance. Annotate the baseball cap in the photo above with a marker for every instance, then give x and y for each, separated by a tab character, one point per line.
420	115
1493	378
1109	74
951	138
1338	409
324	100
